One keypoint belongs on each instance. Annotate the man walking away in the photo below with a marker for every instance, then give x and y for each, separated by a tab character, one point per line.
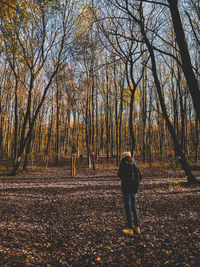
130	177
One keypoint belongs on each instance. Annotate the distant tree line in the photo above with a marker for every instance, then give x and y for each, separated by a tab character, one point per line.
98	78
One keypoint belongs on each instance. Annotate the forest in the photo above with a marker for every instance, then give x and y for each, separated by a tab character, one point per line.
99	78
81	82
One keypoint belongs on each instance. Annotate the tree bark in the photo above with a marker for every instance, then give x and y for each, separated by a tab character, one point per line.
107	117
116	114
132	135
16	121
196	140
57	122
144	116
121	118
185	56
177	146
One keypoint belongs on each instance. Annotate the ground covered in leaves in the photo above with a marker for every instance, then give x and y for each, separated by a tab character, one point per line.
49	218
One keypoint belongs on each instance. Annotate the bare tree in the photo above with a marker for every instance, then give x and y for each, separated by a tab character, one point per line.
39	43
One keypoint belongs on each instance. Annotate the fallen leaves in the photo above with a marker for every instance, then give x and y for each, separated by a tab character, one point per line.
166	262
54	219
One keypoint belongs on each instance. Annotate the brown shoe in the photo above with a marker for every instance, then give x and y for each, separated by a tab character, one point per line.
137	230
128	231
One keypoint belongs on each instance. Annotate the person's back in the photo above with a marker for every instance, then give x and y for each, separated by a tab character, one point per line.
130	177
129	174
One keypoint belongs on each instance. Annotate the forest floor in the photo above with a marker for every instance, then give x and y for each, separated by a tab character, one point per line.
49	218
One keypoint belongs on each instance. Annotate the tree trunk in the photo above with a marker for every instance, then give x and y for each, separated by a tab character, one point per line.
144	116
196	140
88	130
111	132
121	120
73	166
27	152
23	131
67	132
49	136
16	121
107	117
97	125
132	135
57	123
92	122
177	146
102	132
185	56
39	136
116	116
1	126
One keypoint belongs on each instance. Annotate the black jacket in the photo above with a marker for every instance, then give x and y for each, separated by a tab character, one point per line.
130	175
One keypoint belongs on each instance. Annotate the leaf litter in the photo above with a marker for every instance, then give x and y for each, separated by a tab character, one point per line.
53	219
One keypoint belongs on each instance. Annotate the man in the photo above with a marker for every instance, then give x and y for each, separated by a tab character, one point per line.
130	177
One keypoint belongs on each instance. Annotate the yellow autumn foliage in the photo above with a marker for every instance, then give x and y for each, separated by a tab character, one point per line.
16	17
17	13
13	15
85	18
127	94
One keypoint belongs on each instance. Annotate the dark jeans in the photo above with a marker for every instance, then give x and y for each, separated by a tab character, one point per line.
130	200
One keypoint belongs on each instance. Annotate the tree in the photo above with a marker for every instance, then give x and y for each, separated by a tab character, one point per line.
136	13
39	43
177	146
119	36
185	56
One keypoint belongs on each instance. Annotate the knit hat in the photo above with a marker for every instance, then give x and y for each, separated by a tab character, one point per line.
126	154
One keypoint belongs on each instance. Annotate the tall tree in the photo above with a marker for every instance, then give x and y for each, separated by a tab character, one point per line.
39	41
187	66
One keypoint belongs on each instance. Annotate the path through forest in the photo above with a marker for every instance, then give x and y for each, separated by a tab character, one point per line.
51	219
